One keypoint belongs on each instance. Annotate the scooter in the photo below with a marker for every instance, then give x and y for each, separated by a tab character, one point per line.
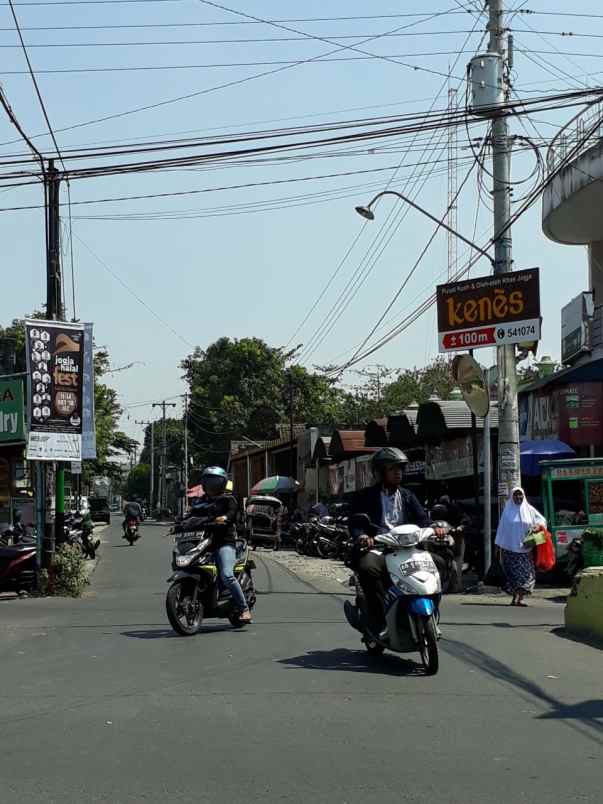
195	592
131	533
18	564
411	603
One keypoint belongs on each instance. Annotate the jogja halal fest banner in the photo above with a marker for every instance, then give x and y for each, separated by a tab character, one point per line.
55	365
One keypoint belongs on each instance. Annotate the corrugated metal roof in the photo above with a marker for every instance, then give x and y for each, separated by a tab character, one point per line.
437	420
349	442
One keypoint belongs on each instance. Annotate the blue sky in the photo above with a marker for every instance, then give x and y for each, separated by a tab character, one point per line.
258	274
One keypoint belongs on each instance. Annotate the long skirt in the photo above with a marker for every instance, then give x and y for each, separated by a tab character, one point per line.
520	572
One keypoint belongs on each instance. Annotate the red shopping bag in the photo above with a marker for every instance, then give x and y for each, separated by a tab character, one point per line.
544	558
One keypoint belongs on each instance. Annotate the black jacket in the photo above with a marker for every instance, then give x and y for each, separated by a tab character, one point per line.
222	505
368	501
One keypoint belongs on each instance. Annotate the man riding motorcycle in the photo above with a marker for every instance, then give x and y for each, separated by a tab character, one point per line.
132	510
223	508
387	504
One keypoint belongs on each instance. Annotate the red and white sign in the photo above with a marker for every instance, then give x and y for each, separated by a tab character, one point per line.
481	337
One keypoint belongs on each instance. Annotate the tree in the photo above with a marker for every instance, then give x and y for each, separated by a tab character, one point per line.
138	484
418	384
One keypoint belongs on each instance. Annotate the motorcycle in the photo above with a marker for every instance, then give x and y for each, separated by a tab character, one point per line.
195	592
131	532
18	563
443	545
411	604
79	532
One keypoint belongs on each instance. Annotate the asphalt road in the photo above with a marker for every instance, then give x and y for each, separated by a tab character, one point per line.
101	702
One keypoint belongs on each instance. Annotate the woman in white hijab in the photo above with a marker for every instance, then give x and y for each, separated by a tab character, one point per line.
517	519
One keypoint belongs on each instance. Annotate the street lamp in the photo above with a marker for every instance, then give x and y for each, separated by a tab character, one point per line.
367	212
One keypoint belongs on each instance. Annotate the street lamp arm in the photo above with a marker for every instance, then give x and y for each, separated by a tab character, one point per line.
368	213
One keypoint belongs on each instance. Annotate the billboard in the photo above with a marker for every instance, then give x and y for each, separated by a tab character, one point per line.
55	365
575	318
489	311
12	420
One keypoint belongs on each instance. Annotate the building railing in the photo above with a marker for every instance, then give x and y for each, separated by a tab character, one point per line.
581	133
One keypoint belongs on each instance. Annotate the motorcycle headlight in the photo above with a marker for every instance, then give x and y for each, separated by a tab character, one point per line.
184	561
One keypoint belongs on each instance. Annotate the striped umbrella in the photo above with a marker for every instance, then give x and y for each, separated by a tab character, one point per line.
275	484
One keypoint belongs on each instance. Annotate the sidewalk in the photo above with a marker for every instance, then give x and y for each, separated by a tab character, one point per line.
332	577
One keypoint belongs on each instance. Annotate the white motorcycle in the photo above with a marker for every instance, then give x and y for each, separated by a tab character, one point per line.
411	603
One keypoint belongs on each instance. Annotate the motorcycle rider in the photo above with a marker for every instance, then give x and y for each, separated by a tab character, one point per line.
387	504
223	507
132	510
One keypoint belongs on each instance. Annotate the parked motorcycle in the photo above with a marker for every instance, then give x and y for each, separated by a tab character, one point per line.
443	545
131	531
18	563
411	603
82	528
195	592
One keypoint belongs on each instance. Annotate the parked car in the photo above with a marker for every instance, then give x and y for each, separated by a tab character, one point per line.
99	509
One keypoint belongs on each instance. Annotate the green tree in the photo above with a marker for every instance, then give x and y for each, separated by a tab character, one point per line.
418	384
138	483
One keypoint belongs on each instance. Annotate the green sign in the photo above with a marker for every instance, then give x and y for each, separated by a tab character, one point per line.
11	411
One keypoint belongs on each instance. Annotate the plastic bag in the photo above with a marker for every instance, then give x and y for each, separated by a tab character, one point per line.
544	557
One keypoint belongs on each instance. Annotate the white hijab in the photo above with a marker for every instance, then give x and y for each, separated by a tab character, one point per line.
515	522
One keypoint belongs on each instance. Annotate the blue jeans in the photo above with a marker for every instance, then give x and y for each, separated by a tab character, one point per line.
225	561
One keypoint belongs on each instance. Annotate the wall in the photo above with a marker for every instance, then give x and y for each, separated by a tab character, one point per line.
572	413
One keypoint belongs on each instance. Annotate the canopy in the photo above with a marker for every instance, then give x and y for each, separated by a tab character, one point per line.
532	452
197	491
275	484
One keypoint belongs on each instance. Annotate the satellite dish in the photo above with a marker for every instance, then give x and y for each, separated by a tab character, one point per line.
468	374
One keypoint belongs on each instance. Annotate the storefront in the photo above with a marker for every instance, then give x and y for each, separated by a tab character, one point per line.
15	483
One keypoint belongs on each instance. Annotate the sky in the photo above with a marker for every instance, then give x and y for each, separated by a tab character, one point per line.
159	276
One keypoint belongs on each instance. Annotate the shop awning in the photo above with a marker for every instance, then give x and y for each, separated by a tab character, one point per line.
533	452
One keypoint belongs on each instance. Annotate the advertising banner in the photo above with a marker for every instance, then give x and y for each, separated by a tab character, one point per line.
88	422
12	423
55	364
489	311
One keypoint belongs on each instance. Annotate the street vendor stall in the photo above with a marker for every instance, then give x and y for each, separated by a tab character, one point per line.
572	493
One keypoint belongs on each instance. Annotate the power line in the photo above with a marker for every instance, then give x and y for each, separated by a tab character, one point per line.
132	292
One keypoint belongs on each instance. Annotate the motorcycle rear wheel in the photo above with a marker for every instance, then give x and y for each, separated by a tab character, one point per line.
185	616
326	550
428	646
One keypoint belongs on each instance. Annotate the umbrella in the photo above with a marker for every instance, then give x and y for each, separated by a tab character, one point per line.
197	491
532	452
275	484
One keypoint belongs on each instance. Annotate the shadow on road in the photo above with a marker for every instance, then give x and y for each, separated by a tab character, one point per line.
167	633
589	714
353	661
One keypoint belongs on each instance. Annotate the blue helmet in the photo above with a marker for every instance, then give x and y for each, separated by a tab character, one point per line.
214	479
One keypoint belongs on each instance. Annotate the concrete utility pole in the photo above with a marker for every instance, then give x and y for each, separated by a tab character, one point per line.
185	479
162	502
53	532
509	472
152	478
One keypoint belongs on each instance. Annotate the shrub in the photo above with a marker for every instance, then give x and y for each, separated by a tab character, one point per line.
68	576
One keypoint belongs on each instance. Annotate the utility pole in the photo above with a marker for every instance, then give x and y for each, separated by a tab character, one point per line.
508	413
163	460
152	478
53	532
185	498
292	471
453	157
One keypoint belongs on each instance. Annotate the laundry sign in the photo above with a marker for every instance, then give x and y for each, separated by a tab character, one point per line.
12	427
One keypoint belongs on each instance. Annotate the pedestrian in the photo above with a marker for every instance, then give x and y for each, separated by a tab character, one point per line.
518	518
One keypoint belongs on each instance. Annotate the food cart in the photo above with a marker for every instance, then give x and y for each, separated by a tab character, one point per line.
572	493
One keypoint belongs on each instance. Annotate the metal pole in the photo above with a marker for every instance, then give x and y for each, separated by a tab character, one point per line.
152	489
487	496
508	412
292	472
248	476
185	498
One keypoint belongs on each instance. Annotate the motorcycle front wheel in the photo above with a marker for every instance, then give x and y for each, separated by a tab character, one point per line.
428	645
184	613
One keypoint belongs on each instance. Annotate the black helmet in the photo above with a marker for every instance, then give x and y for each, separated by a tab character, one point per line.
214	479
388	456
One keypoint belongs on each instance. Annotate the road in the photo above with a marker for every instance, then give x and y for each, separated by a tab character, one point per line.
101	702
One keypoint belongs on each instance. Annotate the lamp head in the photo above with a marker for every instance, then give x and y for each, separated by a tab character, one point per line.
366	212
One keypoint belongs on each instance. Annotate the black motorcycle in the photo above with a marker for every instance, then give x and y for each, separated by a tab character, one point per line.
195	591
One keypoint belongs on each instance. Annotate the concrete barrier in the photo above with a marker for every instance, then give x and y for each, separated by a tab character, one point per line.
584	609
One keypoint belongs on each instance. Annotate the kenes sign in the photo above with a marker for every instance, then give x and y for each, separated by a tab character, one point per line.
489	311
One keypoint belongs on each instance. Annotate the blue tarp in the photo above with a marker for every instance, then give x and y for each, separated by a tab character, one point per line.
532	452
